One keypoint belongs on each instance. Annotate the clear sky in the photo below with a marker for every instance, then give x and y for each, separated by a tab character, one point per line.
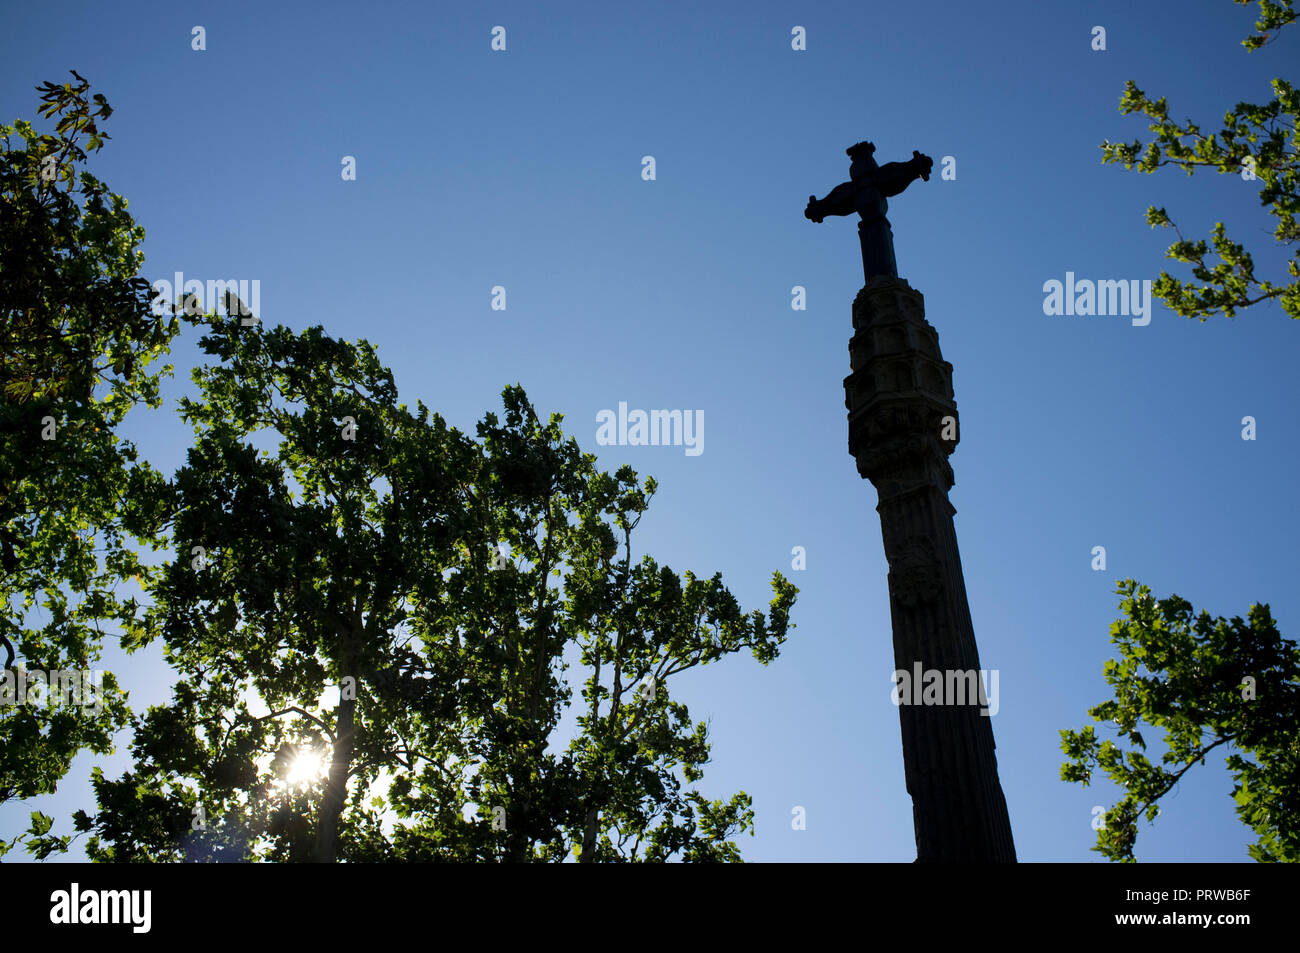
523	169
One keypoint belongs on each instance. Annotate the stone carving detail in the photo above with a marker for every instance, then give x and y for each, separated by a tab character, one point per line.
898	438
890	299
915	576
906	454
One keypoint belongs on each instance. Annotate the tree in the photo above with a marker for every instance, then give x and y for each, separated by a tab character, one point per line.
77	341
1208	683
1260	143
352	576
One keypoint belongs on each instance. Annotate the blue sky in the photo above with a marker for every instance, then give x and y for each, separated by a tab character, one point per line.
523	169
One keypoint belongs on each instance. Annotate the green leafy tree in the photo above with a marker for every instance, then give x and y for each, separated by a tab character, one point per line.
1209	683
378	593
620	789
303	578
78	346
1260	142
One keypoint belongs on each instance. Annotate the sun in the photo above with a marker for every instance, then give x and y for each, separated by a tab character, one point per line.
308	766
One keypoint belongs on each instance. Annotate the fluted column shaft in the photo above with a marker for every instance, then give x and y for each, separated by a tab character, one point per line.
902	427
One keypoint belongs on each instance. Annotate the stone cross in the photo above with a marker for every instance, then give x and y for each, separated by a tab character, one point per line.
865	193
903	425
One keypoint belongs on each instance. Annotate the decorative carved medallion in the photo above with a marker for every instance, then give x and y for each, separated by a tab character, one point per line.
915	575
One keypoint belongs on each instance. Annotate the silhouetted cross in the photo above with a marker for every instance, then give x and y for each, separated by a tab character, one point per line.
865	193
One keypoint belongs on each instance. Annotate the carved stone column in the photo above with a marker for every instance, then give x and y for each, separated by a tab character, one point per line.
902	427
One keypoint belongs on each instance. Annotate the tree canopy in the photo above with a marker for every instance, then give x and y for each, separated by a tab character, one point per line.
79	347
1209	683
372	614
1260	143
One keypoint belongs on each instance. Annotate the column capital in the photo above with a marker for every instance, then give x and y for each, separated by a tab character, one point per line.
903	419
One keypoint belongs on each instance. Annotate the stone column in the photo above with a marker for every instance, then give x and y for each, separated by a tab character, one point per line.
902	427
